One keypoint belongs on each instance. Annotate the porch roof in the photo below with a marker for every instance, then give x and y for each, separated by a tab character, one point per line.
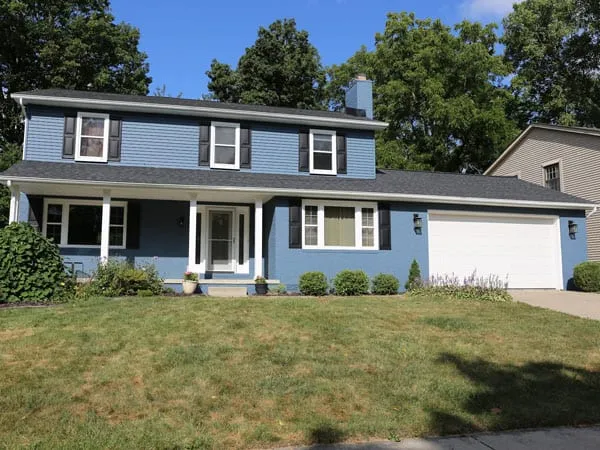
397	185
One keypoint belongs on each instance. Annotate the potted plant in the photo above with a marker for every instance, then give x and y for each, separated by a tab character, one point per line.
190	282
261	285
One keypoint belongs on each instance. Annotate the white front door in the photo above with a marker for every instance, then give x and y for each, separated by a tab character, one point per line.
220	241
524	249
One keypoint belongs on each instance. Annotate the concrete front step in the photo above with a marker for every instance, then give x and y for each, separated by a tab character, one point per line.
227	291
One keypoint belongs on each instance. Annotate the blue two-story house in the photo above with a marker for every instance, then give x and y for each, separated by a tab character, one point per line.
234	191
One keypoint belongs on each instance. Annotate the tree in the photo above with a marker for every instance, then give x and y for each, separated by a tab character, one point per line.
282	68
553	48
72	44
163	92
441	91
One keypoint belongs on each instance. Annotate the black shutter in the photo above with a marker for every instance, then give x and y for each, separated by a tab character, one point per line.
385	227
36	212
204	144
295	208
133	225
341	153
245	147
69	137
114	140
303	151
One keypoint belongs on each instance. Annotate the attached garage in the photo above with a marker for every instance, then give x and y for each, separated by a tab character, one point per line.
525	249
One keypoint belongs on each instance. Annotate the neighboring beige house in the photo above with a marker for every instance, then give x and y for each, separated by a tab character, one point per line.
561	158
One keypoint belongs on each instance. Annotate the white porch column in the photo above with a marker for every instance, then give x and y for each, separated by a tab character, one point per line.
258	238
192	234
15	195
104	234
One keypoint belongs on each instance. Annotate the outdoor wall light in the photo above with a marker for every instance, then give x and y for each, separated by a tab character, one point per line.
418	223
572	229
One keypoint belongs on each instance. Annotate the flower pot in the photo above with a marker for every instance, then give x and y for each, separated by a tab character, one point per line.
189	287
261	289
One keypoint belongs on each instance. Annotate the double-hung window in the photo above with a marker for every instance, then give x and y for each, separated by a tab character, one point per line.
339	225
78	223
92	137
552	176
225	145
322	157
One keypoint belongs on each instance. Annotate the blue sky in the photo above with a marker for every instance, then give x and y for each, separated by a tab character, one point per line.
181	37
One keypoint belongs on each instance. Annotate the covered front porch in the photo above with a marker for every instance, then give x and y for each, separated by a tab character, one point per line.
217	234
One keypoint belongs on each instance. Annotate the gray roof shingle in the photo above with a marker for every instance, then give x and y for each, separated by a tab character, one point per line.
386	182
172	101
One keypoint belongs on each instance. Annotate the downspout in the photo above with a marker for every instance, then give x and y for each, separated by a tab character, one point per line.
24	111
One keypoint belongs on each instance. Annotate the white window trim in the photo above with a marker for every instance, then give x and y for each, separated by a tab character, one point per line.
104	157
358	206
238	268
64	236
213	164
311	152
561	177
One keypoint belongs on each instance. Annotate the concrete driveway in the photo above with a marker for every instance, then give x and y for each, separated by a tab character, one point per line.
579	304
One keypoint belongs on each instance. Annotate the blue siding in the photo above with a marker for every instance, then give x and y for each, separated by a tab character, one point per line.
360	96
288	264
160	142
574	249
44	140
172	142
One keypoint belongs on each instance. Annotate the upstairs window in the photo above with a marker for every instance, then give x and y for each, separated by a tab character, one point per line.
225	145
322	152
552	176
92	137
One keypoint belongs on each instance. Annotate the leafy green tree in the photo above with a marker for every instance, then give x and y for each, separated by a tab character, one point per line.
282	68
441	91
553	48
73	44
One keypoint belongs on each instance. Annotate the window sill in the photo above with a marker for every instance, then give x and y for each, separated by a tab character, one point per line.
322	172
352	249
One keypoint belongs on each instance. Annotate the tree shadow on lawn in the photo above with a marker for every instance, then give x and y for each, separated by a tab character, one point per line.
537	394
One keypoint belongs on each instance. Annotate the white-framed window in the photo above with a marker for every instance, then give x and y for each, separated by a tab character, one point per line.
552	175
78	223
224	145
339	225
91	142
322	157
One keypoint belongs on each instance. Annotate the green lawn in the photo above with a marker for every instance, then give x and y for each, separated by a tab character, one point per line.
222	373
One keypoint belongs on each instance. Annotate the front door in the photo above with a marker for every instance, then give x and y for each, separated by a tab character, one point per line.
220	241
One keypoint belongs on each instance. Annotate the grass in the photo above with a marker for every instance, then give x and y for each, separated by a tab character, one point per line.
247	373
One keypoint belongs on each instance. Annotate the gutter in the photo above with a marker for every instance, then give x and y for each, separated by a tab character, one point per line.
353	195
594	210
202	111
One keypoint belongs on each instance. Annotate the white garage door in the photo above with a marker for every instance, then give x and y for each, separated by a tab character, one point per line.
526	249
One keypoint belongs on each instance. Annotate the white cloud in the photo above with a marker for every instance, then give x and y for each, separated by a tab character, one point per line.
488	8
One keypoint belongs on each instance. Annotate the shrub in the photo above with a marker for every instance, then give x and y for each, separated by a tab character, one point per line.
313	283
117	278
351	282
414	276
473	287
586	276
385	284
31	268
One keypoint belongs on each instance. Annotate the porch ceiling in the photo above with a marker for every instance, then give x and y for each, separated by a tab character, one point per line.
79	190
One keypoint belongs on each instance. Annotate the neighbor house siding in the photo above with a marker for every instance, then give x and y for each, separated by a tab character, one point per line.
579	156
172	142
